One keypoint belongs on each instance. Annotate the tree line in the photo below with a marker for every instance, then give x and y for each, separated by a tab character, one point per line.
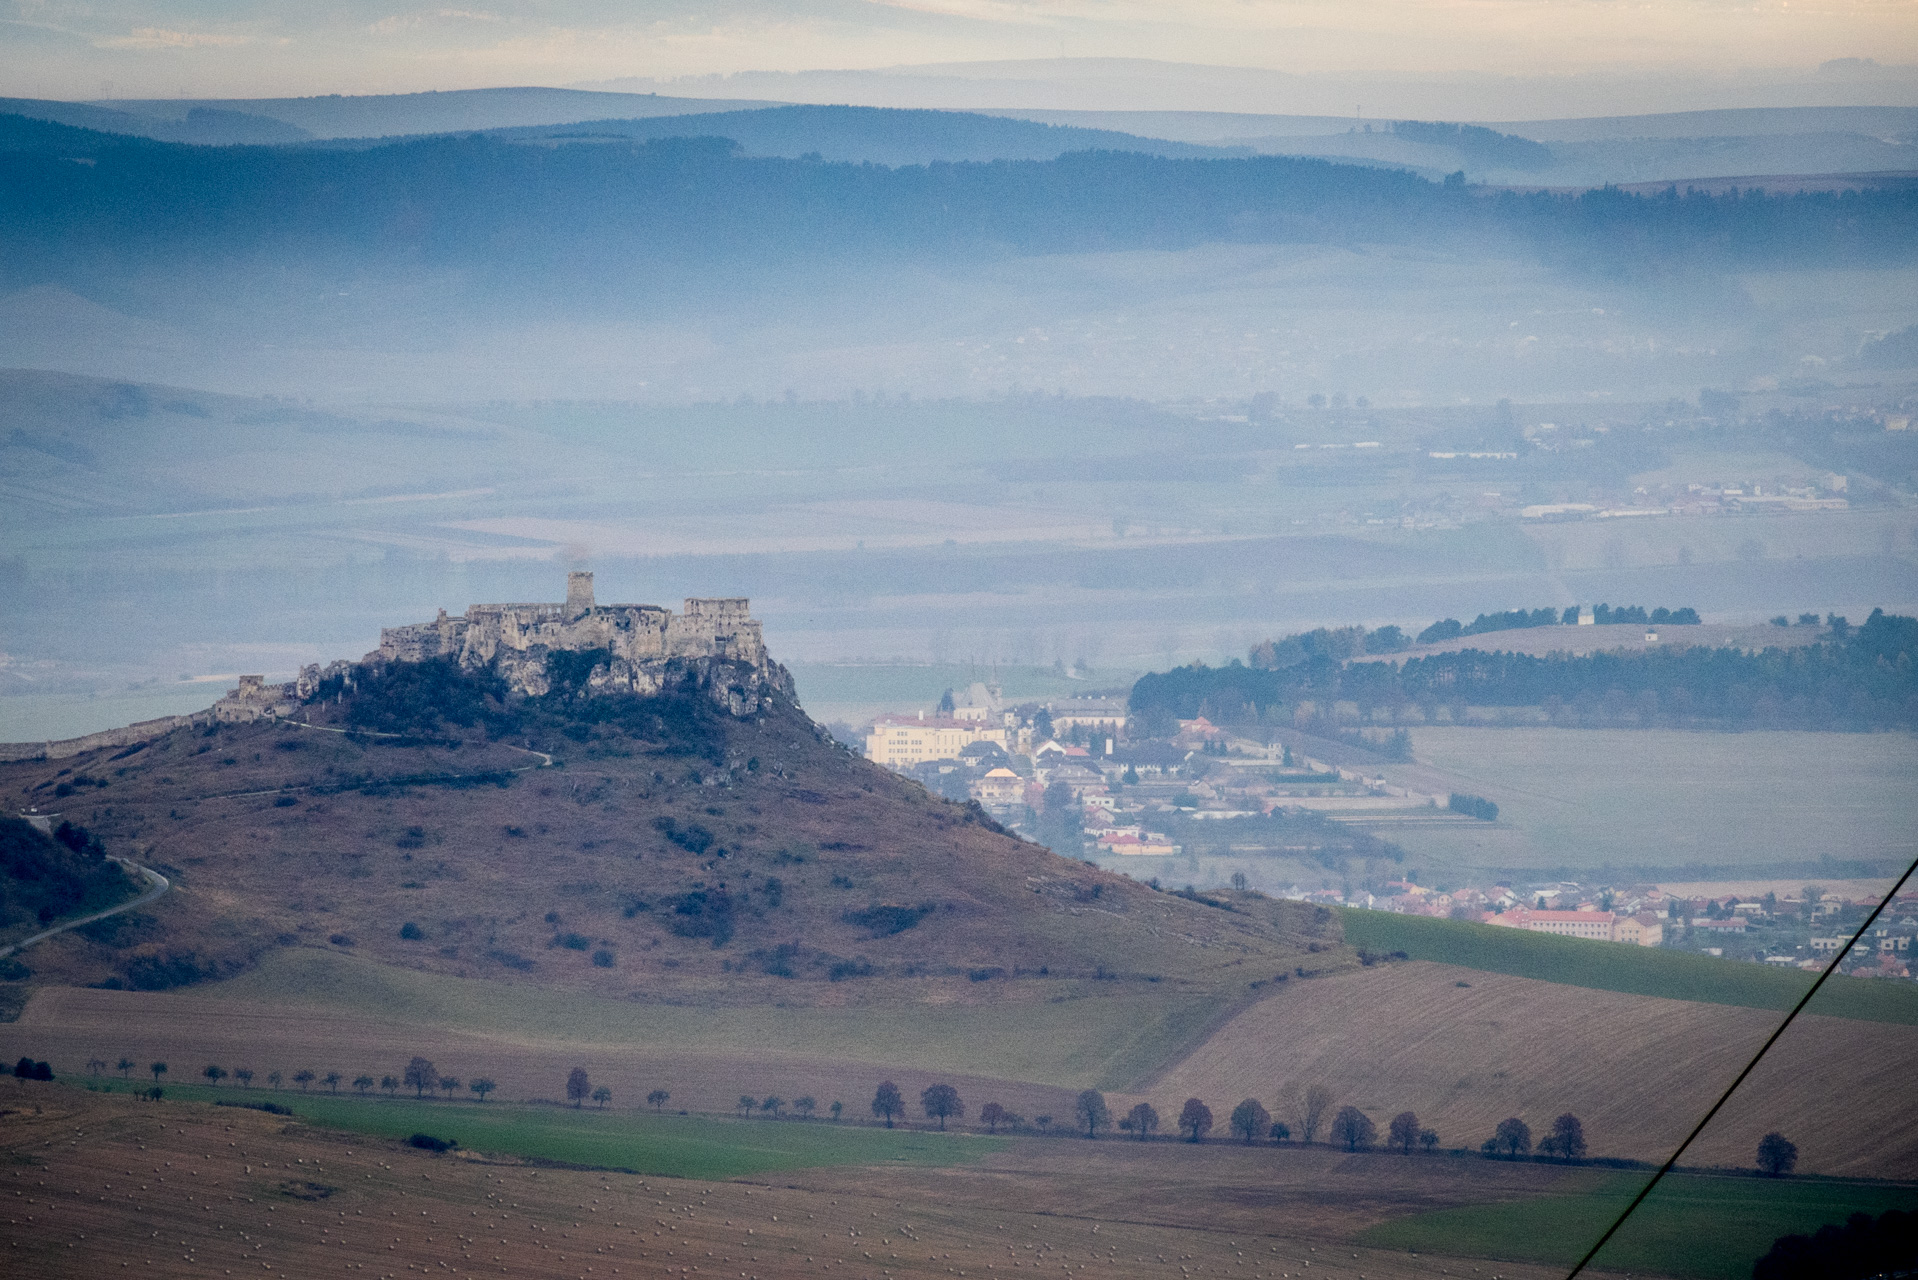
1303	1110
1863	678
1522	619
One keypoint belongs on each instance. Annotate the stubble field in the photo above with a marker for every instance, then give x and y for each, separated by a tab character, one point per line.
183	1189
179	1188
1464	1049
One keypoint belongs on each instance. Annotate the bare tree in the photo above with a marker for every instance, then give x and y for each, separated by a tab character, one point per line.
602	1096
1566	1140
1090	1108
887	1103
941	1101
482	1087
1195	1120
1318	1101
332	1080
1777	1154
577	1085
1142	1121
389	1083
1289	1106
1250	1120
274	1079
244	1075
448	1084
657	1099
1353	1128
420	1076
1513	1136
1403	1132
96	1065
992	1115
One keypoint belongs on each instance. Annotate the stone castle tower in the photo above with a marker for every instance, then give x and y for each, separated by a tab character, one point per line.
579	593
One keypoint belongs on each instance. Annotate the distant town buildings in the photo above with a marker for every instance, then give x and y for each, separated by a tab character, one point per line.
1641	930
900	742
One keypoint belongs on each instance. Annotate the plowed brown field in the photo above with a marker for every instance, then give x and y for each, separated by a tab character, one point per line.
106	1185
1464	1049
70	1027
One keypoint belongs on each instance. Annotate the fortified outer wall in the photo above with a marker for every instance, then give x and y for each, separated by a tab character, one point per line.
126	736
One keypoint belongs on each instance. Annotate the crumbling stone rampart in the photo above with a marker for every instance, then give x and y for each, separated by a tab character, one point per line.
125	736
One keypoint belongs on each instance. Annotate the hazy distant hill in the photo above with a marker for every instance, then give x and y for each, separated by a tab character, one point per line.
1134	84
200	125
211	120
876	135
1580	152
588	217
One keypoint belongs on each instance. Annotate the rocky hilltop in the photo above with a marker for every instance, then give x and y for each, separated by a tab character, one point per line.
608	798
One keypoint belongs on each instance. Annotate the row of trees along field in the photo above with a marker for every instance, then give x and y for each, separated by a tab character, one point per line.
1858	679
1308	1107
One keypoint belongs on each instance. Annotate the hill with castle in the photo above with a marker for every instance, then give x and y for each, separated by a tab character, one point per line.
610	828
594	797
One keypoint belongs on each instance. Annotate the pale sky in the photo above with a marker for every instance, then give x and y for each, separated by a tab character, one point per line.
246	48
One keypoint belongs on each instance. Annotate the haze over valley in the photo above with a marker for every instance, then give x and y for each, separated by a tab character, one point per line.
752	645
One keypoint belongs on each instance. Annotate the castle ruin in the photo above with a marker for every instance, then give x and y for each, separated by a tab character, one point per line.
646	645
715	646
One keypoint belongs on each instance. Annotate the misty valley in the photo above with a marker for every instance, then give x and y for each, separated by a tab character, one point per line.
988	667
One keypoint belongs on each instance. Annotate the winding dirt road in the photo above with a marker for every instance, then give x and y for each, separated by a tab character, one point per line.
157	884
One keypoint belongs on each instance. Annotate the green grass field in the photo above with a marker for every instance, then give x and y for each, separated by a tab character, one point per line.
1711	1228
1644	971
1084	1036
667	1145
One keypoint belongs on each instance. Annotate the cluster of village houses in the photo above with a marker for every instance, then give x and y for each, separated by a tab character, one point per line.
1801	930
1009	758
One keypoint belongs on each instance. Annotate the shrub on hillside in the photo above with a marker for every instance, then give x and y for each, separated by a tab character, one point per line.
884	921
43	879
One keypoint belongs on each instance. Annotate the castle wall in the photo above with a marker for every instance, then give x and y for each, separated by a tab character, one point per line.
61	749
641	639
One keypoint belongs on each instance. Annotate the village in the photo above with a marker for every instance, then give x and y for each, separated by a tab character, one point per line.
1080	775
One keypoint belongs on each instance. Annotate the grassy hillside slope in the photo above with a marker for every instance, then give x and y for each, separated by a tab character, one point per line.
1464	1049
671	852
1645	971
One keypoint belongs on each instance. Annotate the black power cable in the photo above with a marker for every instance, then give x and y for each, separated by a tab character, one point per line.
1732	1088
